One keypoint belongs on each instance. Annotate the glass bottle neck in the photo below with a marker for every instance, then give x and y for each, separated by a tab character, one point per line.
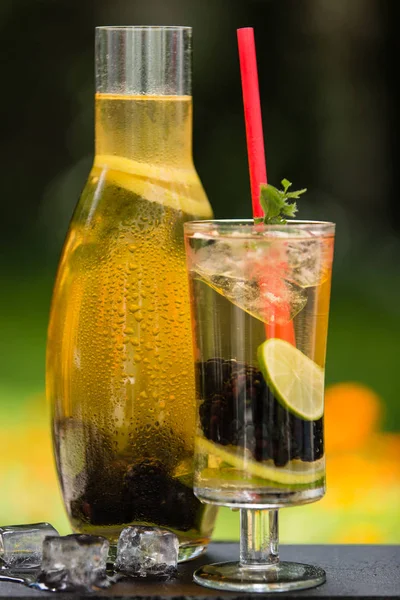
155	130
143	99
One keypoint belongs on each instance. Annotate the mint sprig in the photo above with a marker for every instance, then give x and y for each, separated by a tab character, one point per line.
275	203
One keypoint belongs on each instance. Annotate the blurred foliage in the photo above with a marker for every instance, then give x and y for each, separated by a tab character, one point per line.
331	124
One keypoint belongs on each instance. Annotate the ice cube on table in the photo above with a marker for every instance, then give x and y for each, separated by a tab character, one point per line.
74	563
21	545
147	551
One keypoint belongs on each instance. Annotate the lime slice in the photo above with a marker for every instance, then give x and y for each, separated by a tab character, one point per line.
152	182
296	472
159	172
231	477
296	381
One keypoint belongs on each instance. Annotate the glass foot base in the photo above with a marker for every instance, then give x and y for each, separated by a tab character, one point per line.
282	577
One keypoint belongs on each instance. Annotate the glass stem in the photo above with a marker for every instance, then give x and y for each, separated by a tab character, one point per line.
273	536
259	537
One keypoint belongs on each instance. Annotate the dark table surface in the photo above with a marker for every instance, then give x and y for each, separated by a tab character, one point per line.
352	572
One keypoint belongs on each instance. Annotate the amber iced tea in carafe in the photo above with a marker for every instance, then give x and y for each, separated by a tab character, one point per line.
120	365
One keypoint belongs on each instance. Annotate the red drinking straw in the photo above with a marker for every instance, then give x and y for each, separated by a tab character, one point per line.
256	150
252	115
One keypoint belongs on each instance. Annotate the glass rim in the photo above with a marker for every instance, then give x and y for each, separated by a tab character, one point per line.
214	228
143	28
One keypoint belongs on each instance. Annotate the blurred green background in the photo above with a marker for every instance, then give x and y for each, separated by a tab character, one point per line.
330	111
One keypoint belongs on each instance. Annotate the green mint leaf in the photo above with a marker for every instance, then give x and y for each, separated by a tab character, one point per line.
290	210
276	221
296	194
258	220
275	205
271	201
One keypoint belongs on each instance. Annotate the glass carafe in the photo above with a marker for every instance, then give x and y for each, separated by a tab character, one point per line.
120	373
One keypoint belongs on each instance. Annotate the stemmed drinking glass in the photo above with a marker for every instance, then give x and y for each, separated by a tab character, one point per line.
260	303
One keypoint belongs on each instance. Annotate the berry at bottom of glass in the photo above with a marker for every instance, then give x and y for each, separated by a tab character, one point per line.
260	304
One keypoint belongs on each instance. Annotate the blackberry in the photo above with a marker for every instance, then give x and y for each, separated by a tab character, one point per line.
155	497
101	502
135	486
230	391
313	445
237	408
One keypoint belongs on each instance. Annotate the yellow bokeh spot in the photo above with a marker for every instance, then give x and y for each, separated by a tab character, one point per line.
364	532
352	413
29	473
